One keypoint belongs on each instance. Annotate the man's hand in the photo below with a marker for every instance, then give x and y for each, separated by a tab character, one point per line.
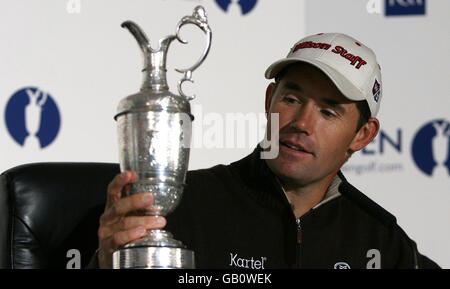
117	227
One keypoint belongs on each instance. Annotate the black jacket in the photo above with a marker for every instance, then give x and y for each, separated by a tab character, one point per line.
237	215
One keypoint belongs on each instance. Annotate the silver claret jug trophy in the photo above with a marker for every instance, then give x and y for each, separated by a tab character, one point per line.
154	131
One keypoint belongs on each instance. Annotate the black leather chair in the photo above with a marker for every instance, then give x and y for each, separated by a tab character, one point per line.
48	209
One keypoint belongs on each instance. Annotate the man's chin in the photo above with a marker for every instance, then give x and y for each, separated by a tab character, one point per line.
288	173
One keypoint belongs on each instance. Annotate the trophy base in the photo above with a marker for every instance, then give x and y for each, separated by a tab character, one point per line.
158	250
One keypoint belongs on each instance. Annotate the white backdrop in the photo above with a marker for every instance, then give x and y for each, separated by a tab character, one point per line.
76	52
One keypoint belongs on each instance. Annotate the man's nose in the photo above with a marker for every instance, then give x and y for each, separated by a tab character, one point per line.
305	118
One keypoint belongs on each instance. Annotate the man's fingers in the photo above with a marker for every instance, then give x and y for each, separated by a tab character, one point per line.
117	184
127	223
148	222
123	237
132	203
126	205
127	230
109	244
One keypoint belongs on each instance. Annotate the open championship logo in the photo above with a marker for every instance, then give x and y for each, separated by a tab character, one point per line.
245	6
32	118
431	149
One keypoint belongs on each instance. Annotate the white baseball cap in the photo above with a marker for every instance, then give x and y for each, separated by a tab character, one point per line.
351	65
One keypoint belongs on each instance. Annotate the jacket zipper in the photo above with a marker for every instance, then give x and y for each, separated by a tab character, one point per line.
299	243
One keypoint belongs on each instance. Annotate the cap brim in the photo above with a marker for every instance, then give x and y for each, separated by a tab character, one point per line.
349	90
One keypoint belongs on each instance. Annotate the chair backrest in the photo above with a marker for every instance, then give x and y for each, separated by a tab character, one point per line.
49	213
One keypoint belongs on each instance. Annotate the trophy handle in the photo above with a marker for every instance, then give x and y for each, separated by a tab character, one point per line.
199	19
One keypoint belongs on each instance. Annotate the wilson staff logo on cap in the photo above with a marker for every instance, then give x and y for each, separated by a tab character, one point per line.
351	65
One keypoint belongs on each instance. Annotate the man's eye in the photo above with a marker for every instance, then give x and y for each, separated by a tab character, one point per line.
290	99
328	113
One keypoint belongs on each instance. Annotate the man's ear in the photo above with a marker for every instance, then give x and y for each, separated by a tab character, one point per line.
365	135
269	92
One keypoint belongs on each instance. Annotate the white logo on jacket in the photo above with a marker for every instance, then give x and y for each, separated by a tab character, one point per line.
247	263
341	265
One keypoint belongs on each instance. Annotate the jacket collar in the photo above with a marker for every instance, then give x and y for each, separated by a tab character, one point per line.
262	184
265	186
260	181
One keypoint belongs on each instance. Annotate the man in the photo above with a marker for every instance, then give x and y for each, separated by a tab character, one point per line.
295	210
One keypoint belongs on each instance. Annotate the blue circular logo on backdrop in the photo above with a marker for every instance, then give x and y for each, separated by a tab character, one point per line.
431	149
32	117
246	6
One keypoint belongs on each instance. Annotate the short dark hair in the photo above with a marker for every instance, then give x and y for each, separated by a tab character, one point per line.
364	113
362	105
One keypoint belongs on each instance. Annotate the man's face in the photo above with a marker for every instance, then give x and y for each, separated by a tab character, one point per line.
317	126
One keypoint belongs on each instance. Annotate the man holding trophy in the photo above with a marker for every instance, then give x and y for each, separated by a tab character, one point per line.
293	209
